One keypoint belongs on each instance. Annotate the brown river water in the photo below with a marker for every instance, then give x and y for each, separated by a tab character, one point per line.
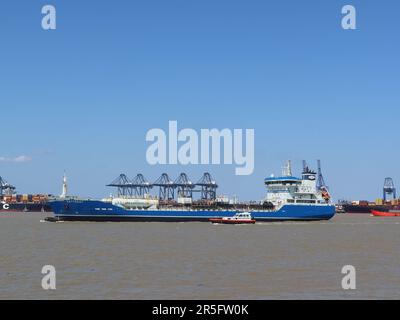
136	260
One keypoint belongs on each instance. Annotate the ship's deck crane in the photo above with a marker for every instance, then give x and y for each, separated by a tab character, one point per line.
388	188
321	183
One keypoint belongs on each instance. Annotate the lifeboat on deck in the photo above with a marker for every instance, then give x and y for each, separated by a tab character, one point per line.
238	218
385	213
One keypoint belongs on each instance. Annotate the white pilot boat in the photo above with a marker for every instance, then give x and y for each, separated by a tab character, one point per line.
238	218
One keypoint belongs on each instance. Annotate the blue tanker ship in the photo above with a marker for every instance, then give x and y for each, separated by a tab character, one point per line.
288	198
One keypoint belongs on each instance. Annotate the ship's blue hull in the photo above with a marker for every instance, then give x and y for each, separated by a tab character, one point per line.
94	210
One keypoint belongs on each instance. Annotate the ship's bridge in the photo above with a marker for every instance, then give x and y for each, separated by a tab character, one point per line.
287	180
282	185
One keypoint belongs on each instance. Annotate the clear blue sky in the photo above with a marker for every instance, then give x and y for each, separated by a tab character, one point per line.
82	97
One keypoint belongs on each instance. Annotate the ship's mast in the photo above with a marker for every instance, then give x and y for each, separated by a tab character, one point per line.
64	187
287	169
320	182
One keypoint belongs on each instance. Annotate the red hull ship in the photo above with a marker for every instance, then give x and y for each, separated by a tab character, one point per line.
385	214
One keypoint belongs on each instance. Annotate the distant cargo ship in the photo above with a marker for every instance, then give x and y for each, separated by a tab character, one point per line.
367	207
380	204
355	208
288	198
11	202
25	203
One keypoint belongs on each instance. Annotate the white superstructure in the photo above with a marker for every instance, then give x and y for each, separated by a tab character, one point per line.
288	189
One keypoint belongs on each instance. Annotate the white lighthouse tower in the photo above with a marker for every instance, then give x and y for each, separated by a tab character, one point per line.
64	187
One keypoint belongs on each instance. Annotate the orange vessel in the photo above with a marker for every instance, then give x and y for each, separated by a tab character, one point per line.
385	214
